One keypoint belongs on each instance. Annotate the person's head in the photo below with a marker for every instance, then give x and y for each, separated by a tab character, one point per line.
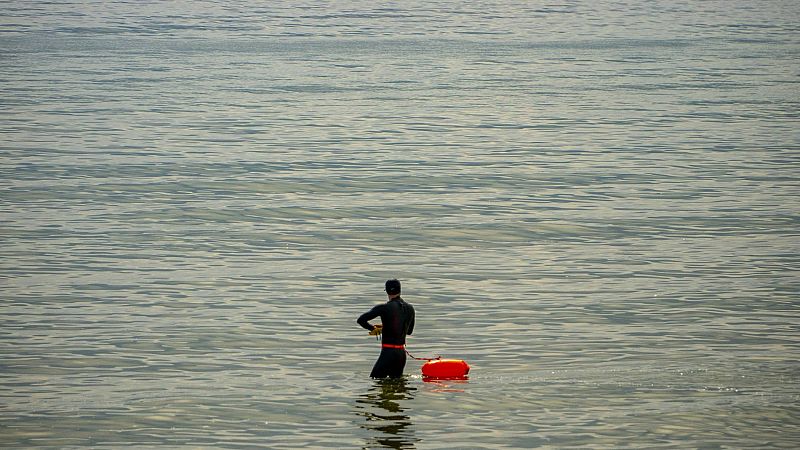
392	287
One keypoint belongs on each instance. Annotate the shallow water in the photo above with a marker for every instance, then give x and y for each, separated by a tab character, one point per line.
595	206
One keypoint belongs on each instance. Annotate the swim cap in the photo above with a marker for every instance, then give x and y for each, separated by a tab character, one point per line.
392	287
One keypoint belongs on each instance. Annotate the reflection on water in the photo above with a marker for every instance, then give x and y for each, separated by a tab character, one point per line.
384	415
446	385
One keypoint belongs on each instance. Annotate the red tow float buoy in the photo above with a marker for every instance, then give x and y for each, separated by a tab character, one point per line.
452	369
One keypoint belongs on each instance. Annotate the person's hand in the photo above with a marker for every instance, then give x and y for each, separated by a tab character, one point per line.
376	331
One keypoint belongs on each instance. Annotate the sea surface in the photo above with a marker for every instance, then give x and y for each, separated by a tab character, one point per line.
595	204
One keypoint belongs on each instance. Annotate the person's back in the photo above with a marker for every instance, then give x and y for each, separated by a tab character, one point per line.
397	320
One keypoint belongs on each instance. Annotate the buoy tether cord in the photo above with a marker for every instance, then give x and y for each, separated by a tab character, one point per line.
422	359
377	331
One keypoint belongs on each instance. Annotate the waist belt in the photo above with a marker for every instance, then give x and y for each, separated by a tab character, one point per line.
392	346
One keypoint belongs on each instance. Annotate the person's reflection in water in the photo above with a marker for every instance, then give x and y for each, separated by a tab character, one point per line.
383	413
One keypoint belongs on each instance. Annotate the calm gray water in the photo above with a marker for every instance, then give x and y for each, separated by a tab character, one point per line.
594	204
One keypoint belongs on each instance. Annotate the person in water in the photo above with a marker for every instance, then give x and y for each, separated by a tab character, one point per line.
397	321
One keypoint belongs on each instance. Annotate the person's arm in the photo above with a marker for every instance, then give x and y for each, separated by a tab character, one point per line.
411	324
369	315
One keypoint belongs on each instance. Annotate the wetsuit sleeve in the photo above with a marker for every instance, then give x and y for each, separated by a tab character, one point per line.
411	323
369	315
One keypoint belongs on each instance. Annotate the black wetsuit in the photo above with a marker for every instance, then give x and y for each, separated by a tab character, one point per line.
397	318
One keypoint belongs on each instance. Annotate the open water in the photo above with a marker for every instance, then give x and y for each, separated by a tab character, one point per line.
593	203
